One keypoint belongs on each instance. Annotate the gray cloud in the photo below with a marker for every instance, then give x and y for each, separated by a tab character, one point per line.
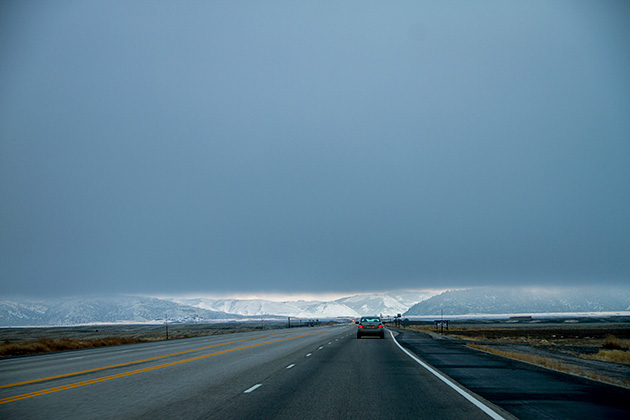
312	147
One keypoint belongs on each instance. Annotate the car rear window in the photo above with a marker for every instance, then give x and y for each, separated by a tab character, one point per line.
370	320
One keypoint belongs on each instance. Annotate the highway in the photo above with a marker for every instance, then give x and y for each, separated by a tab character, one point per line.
303	373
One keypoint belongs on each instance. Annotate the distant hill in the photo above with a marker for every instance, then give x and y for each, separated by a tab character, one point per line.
390	303
386	303
504	300
114	309
82	310
484	300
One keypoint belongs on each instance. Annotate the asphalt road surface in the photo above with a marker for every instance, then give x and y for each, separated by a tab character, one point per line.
525	390
304	373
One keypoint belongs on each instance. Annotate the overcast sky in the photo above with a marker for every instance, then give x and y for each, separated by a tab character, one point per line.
173	147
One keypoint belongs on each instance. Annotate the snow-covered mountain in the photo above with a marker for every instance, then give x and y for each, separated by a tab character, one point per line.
389	303
485	300
248	307
262	307
82	310
510	300
86	310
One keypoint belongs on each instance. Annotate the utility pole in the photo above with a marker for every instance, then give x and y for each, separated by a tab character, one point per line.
166	323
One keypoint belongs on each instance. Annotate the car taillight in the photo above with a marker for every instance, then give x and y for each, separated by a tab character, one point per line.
380	325
360	325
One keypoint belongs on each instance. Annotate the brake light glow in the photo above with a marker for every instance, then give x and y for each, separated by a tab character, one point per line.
380	325
360	325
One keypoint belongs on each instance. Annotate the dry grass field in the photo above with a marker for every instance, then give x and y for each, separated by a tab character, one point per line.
23	341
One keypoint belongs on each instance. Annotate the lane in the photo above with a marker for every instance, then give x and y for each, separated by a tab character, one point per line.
127	396
126	373
525	390
344	378
33	368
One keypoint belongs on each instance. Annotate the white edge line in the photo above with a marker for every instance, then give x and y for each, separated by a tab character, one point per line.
450	383
254	388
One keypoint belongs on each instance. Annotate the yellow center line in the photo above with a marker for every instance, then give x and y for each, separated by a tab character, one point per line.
147	369
65	375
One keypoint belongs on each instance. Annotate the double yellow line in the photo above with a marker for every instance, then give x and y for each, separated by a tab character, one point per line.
134	372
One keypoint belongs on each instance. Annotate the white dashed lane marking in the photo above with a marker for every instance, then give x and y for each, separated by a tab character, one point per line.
290	366
254	388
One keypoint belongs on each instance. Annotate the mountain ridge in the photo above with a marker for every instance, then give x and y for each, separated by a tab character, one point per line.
523	300
110	309
142	309
385	303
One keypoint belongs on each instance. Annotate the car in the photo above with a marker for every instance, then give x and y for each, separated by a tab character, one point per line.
370	325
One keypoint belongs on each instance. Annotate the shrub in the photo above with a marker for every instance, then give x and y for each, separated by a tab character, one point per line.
615	356
45	345
612	343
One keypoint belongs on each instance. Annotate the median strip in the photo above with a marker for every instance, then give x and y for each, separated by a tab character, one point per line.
143	370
